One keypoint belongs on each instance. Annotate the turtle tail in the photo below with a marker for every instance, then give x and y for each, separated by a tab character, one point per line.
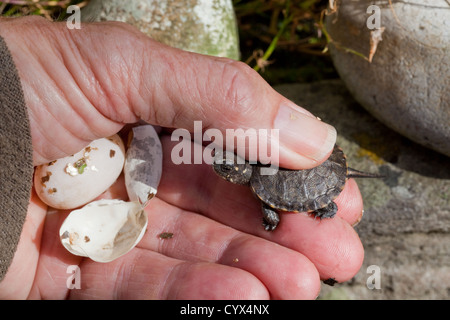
353	173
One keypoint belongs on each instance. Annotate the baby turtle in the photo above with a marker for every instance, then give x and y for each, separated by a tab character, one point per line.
312	190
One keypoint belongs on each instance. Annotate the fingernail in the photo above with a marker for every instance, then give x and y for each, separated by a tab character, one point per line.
304	134
359	219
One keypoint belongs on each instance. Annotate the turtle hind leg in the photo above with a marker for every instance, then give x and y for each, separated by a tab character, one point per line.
326	212
271	218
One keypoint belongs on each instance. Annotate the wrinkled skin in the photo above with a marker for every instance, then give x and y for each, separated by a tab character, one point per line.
88	84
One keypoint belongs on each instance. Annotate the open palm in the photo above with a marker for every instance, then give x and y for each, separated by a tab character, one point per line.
219	249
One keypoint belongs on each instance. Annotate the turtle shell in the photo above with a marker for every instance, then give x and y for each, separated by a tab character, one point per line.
302	190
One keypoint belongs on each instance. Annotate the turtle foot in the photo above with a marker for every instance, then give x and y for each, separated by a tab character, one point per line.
327	212
271	218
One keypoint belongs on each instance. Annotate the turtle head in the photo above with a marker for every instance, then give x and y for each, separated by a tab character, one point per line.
232	168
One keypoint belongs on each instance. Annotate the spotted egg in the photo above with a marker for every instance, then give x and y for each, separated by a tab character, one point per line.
75	180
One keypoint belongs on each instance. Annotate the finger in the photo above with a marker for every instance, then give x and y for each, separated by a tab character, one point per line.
236	206
196	238
331	244
86	94
350	203
199	239
19	279
194	254
66	103
203	89
140	274
226	94
143	274
52	273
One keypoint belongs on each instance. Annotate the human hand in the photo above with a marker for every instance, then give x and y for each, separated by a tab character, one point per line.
81	85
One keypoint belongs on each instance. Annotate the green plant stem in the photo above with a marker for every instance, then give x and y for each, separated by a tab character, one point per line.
336	44
274	42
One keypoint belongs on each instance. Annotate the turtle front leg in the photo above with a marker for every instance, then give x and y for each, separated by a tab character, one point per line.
327	212
271	218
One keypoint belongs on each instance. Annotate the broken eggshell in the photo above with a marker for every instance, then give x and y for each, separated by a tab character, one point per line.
104	230
143	164
73	181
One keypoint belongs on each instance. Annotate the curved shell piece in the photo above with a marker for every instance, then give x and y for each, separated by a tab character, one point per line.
143	164
104	230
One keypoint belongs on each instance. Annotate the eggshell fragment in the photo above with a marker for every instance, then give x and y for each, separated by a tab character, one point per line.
73	181
104	230
143	164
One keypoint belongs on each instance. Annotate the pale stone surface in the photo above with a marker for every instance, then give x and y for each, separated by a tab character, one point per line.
407	85
202	26
406	225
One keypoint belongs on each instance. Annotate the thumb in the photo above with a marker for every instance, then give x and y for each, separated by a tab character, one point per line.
85	84
182	87
174	88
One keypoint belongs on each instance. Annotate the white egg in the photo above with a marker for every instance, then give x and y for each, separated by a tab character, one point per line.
73	181
104	230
